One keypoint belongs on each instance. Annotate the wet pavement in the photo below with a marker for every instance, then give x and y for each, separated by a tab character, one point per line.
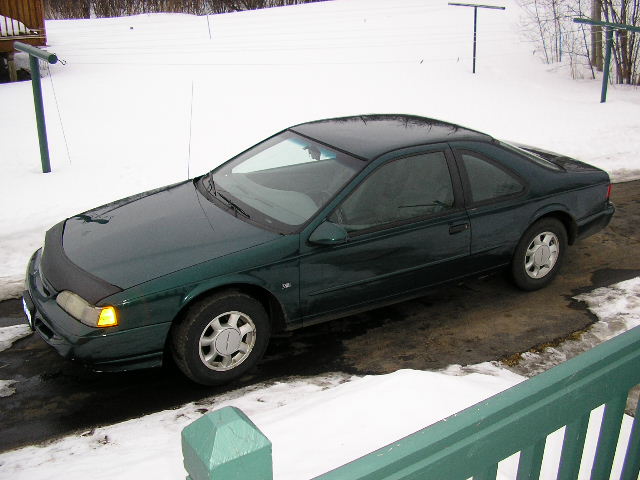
480	320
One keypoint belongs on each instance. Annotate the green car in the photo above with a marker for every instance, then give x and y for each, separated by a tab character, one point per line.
317	222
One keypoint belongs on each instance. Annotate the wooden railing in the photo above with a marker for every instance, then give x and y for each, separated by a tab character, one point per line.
471	443
21	20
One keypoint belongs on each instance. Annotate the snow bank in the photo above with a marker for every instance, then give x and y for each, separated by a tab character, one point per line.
618	310
315	425
326	420
8	335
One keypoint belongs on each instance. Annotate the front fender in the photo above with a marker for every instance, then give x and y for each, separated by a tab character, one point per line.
222	282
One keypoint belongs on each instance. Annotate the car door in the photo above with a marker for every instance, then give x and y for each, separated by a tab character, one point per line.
497	203
406	229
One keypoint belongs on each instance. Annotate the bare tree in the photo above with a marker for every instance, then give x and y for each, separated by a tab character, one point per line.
561	39
626	44
116	8
596	35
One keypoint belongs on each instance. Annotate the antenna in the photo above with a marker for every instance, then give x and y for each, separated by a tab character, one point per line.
190	124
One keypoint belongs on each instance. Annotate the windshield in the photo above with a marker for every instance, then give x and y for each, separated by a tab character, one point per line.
282	182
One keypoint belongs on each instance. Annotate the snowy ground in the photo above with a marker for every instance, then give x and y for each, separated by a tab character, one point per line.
8	335
145	101
617	307
304	417
148	100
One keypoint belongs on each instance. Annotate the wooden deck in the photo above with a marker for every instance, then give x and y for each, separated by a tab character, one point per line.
21	20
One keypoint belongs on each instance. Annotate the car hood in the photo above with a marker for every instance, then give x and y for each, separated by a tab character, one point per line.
143	237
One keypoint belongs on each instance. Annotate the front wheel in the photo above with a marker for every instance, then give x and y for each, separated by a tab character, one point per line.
539	254
220	338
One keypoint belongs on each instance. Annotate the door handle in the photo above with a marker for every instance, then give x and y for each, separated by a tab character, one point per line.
461	227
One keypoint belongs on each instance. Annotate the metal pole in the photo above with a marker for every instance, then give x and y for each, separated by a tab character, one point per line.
35	54
37	101
475	22
607	64
475	29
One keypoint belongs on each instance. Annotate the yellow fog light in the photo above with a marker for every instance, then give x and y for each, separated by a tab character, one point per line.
108	317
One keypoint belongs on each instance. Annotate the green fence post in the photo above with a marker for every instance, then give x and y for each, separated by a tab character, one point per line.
226	445
34	55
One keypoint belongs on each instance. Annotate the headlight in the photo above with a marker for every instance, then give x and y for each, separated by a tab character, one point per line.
88	314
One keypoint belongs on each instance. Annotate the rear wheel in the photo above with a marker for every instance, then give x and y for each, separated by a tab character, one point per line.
220	338
539	254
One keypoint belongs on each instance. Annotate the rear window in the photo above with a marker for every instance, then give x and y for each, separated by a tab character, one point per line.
543	162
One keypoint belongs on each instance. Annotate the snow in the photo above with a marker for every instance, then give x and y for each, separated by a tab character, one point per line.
11	27
327	420
10	334
618	310
6	389
119	122
300	417
119	112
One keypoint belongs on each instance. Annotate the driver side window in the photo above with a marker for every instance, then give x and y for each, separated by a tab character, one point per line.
399	191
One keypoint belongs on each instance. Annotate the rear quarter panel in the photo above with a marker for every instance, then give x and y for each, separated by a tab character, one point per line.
578	194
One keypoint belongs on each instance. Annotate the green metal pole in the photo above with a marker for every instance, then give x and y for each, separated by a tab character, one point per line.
35	54
607	64
37	101
475	30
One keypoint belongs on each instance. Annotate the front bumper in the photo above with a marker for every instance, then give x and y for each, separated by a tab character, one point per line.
102	349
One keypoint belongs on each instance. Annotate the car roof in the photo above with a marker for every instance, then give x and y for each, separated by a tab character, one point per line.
369	136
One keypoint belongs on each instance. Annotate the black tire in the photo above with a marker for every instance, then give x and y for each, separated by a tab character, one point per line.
532	266
204	350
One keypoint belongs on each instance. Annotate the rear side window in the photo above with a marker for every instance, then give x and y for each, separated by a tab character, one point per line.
488	181
534	157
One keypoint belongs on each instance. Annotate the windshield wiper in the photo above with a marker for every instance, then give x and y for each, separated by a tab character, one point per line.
233	205
212	185
212	190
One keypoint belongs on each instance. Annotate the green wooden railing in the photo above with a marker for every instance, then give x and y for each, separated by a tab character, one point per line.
471	443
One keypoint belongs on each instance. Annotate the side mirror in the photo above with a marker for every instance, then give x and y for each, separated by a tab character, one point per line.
328	233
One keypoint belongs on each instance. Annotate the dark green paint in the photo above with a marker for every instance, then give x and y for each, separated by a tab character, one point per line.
572	447
607	63
608	438
328	234
34	55
226	445
531	461
475	22
621	26
167	247
631	468
155	235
